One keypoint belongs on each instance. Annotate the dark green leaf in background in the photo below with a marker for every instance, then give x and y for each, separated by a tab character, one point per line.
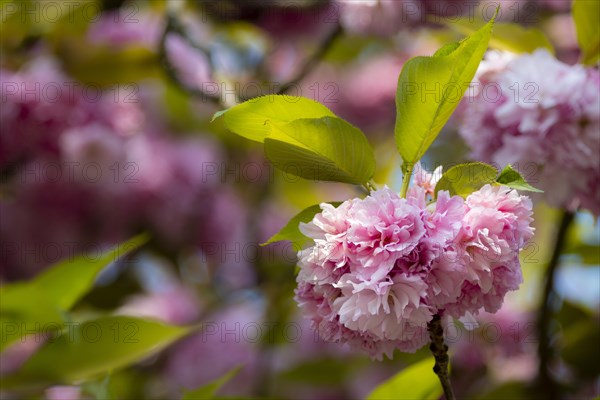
291	230
97	346
44	301
415	382
210	390
586	14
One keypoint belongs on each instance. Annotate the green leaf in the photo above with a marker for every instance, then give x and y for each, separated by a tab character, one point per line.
209	390
513	179
464	179
325	149
588	254
107	67
99	388
22	301
586	14
304	138
95	347
571	314
580	348
510	390
250	118
506	36
291	230
319	372
430	89
416	382
68	281
45	299
25	310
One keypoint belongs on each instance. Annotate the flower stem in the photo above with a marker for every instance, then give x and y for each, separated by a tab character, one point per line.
546	382
440	353
406	179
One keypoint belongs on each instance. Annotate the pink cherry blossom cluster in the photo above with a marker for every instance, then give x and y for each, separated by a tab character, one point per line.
381	267
546	123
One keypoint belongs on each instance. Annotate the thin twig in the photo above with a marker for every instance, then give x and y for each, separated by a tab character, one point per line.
546	382
313	60
173	27
440	353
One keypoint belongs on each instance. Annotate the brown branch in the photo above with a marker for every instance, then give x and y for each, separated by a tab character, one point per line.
440	353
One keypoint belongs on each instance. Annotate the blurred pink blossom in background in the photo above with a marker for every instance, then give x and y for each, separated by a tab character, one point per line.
549	122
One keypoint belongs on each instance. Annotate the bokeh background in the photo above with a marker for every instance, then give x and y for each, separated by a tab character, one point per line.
106	132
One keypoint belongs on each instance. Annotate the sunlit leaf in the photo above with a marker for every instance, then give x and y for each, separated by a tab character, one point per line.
291	230
254	119
430	89
464	179
326	149
415	382
508	36
513	179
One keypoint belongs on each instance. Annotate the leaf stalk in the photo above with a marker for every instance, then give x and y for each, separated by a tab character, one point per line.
406	179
